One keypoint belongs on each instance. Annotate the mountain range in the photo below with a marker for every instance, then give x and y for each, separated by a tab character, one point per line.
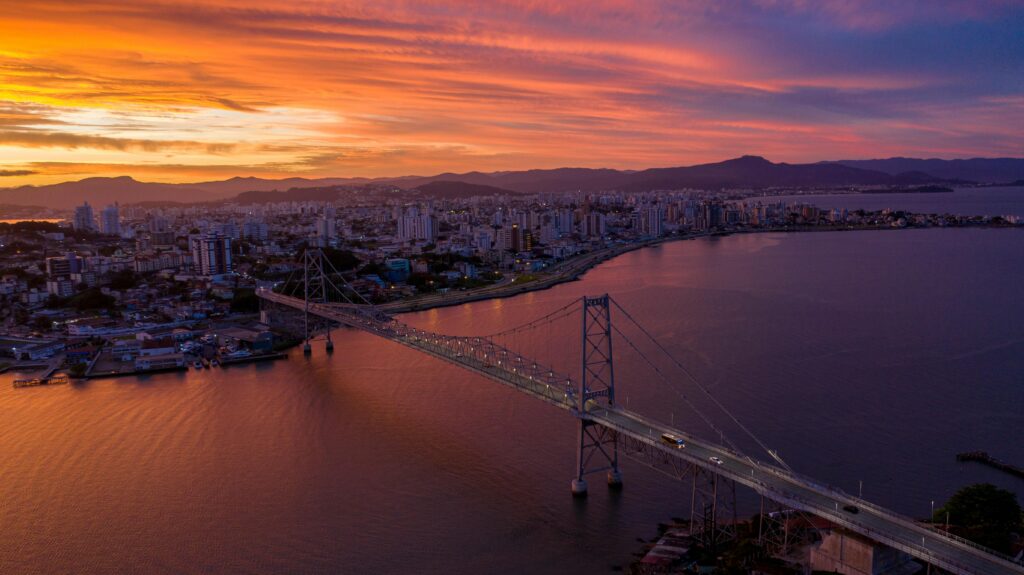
743	172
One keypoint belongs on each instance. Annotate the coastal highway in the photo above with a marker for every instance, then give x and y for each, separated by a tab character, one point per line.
560	272
499	364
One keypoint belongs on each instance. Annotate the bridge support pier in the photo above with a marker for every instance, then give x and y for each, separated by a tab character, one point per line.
712	508
781	529
579	487
595	439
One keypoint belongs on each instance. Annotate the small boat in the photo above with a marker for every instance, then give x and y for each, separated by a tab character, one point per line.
197	364
214	362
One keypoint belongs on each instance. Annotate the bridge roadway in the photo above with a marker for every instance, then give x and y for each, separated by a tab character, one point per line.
500	364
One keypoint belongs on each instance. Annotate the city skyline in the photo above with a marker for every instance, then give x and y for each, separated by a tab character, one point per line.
345	90
518	286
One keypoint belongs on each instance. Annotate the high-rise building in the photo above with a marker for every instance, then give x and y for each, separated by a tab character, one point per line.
84	221
211	254
227	229
483	239
517	238
564	222
255	230
651	221
159	224
326	230
503	239
416	226
62	266
594	224
110	220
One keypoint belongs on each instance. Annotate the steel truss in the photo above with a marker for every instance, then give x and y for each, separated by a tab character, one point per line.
712	508
315	290
597	382
777	532
712	499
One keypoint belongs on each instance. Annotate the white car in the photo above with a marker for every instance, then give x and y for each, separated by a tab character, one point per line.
715	460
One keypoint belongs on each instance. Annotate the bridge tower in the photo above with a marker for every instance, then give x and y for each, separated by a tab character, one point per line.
597	385
315	292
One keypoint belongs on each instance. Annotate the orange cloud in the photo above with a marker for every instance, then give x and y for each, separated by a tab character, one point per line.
178	89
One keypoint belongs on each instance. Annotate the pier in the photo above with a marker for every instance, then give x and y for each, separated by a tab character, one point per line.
984	458
55	380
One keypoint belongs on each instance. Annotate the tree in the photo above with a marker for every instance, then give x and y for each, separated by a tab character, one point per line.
124	279
42	323
984	514
342	260
245	301
373	268
91	299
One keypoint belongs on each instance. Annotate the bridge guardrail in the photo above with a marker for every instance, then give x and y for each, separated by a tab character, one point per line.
842	495
430	341
902	541
917	525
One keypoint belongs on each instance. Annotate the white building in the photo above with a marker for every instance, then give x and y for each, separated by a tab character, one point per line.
110	220
416	226
326	230
84	219
254	230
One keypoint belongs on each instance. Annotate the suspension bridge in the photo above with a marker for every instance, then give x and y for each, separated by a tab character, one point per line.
607	431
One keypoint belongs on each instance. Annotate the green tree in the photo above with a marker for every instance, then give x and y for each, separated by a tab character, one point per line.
984	514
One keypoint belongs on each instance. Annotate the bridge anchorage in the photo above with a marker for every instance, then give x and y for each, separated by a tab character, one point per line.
606	430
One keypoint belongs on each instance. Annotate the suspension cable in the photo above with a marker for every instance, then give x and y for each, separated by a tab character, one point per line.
681	395
549	318
703	389
345	282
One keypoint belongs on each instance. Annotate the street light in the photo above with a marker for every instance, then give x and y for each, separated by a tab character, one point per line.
932	516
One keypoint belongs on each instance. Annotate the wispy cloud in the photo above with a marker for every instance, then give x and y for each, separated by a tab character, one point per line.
16	173
387	87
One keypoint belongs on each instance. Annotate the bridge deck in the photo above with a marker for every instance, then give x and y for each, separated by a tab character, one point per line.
497	363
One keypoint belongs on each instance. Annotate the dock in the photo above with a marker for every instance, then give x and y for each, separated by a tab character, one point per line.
984	458
224	361
55	380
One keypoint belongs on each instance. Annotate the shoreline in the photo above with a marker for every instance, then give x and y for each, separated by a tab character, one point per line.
576	268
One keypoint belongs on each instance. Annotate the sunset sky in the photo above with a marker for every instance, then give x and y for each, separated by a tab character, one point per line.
182	91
